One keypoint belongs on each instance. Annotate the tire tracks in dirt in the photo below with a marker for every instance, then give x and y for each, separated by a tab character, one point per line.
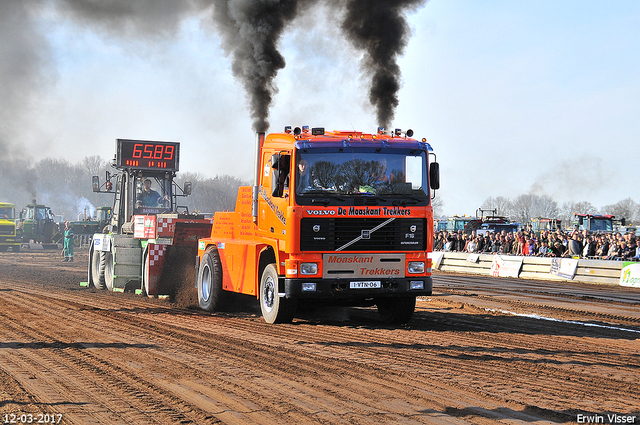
104	357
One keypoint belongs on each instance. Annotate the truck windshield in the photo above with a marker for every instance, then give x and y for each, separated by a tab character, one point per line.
356	172
601	225
153	195
455	225
41	213
6	212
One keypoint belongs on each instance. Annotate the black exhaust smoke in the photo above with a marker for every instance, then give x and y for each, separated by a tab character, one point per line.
379	27
250	30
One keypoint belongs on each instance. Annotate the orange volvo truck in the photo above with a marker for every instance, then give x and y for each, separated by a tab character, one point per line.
333	217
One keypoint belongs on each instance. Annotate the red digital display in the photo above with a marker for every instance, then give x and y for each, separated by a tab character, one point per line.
148	155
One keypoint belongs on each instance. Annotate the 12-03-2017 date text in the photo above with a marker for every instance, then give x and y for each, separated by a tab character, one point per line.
31	418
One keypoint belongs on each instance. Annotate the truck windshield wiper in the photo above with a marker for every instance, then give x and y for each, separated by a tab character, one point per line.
323	201
326	199
409	200
371	196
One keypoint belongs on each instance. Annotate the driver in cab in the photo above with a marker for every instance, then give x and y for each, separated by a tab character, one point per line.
149	197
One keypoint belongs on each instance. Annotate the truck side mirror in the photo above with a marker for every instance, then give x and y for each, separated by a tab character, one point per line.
95	183
434	176
187	188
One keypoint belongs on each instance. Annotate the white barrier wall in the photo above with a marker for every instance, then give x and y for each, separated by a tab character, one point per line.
541	268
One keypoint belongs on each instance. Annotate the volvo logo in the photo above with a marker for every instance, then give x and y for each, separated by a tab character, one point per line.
366	234
316	228
413	228
321	212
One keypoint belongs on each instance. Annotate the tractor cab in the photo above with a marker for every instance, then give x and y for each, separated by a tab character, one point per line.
37	223
144	185
152	193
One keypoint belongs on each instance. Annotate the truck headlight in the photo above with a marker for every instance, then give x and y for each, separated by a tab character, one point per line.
415	267
308	287
308	268
417	285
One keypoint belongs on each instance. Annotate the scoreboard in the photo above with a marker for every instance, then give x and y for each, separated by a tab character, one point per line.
147	155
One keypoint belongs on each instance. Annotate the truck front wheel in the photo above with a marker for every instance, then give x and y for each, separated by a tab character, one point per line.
275	309
211	296
396	311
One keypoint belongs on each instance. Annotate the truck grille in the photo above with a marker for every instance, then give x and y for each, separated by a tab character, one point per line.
7	230
333	234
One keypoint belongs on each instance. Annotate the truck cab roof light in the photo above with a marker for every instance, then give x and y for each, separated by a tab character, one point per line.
317	131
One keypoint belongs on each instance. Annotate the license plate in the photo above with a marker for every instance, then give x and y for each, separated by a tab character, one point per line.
365	285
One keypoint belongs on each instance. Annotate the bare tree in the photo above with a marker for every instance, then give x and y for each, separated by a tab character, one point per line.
437	205
545	206
568	209
501	204
523	207
210	195
627	209
94	165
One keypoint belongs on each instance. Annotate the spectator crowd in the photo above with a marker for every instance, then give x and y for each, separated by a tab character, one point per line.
572	244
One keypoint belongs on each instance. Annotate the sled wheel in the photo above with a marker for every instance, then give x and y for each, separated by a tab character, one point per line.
97	269
275	309
107	259
144	285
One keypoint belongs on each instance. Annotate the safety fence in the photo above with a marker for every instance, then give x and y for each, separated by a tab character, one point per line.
541	268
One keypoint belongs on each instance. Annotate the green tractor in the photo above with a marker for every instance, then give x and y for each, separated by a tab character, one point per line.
85	229
37	226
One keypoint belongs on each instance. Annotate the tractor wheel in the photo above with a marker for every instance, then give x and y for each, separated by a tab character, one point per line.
145	274
107	258
211	296
275	309
97	269
396	311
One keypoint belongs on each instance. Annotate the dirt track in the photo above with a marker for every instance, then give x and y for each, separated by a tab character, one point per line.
98	357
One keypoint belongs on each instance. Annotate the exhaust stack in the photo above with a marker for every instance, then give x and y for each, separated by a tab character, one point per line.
256	180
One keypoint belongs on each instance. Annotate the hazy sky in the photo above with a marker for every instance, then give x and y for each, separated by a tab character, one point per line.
515	97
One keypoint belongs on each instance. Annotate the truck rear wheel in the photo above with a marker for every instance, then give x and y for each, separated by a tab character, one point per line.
211	296
97	269
396	311
275	309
